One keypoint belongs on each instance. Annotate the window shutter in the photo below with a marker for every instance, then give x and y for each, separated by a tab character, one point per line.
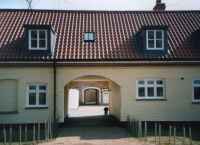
8	96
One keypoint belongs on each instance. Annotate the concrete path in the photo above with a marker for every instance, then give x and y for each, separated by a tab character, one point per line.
94	136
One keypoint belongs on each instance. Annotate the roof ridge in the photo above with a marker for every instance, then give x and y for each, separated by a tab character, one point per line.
62	10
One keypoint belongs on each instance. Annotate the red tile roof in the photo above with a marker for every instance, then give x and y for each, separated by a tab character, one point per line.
114	30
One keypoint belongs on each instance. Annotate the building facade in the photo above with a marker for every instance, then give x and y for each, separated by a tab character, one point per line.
139	64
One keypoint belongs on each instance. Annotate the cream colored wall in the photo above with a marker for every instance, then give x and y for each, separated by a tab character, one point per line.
177	107
23	76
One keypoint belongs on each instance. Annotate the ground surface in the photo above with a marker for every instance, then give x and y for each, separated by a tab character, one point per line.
93	136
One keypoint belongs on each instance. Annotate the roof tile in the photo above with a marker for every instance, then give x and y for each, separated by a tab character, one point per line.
114	30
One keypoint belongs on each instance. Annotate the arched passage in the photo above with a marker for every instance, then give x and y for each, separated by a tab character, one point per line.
90	95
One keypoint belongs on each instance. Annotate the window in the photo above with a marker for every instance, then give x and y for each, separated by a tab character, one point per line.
38	39
196	91
89	37
37	95
150	89
155	39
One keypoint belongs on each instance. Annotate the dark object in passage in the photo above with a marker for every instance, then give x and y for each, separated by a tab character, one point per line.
106	111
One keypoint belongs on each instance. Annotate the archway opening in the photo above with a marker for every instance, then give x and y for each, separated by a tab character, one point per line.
89	96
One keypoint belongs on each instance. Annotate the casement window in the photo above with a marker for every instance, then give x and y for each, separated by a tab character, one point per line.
37	39
36	95
196	91
154	39
89	37
150	89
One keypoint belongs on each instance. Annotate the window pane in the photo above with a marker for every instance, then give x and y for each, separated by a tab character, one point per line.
34	43
197	93
42	43
158	34
141	91
150	82
197	82
91	36
150	43
159	82
32	98
150	34
160	91
150	92
141	82
86	36
42	87
32	87
33	34
159	43
42	34
42	98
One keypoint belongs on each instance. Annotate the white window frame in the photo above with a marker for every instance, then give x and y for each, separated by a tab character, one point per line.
37	95
38	39
195	85
154	39
89	36
155	86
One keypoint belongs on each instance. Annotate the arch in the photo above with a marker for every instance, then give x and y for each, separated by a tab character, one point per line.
107	90
92	76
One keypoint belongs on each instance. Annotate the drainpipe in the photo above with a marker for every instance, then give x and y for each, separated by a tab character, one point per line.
54	88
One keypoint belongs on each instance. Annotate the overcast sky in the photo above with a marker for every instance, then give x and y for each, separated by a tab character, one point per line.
102	4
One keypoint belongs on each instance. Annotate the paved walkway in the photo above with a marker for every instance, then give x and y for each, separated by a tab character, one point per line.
94	136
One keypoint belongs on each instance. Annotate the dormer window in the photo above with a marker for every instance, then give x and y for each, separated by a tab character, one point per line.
154	39
89	37
37	39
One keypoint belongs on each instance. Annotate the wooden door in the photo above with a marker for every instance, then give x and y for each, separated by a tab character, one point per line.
91	97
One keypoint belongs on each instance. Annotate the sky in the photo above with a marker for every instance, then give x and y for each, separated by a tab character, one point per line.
101	4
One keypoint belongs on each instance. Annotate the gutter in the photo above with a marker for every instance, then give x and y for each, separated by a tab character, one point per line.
137	62
55	63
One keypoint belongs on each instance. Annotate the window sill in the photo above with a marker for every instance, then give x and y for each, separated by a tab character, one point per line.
151	99
43	49
195	102
93	105
9	112
155	49
35	108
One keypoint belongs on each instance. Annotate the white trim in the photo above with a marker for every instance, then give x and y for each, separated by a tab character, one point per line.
154	39
37	94
154	85
99	90
195	85
38	39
